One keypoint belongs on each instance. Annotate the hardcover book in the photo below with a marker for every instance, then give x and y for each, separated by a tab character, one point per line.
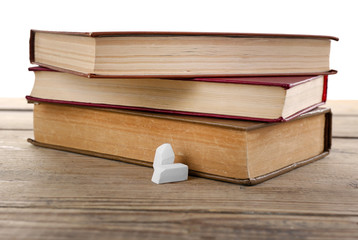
255	98
180	54
243	152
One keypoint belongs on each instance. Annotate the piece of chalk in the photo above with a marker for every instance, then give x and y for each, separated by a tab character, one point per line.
164	155
170	173
165	170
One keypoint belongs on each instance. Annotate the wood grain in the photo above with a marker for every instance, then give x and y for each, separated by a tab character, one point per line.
109	224
49	194
345	126
16	120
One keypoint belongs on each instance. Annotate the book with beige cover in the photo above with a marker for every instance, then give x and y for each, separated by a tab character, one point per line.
243	152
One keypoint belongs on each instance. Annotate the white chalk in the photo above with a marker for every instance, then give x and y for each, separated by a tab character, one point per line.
165	170
170	173
164	155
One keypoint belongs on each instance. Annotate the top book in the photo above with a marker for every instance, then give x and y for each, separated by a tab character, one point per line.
180	54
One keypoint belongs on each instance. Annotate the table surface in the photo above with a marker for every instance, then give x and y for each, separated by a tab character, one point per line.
49	194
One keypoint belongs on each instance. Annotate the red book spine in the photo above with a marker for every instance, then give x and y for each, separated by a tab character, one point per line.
325	87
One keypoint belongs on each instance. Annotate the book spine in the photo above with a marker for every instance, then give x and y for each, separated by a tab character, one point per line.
328	132
32	46
325	88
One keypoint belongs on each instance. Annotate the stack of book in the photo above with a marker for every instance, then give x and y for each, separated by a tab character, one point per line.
235	107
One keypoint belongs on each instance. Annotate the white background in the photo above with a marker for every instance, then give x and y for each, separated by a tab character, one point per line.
335	18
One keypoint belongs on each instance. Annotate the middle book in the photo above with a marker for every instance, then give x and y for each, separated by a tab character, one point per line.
269	99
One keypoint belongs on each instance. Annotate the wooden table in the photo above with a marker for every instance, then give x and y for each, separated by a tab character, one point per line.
49	194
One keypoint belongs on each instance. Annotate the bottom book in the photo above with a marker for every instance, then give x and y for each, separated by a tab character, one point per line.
235	151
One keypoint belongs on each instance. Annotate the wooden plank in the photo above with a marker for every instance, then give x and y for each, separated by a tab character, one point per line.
21	120
19	104
107	224
343	107
345	126
44	178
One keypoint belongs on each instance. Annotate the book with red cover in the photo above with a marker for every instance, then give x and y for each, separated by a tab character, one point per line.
268	99
180	54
